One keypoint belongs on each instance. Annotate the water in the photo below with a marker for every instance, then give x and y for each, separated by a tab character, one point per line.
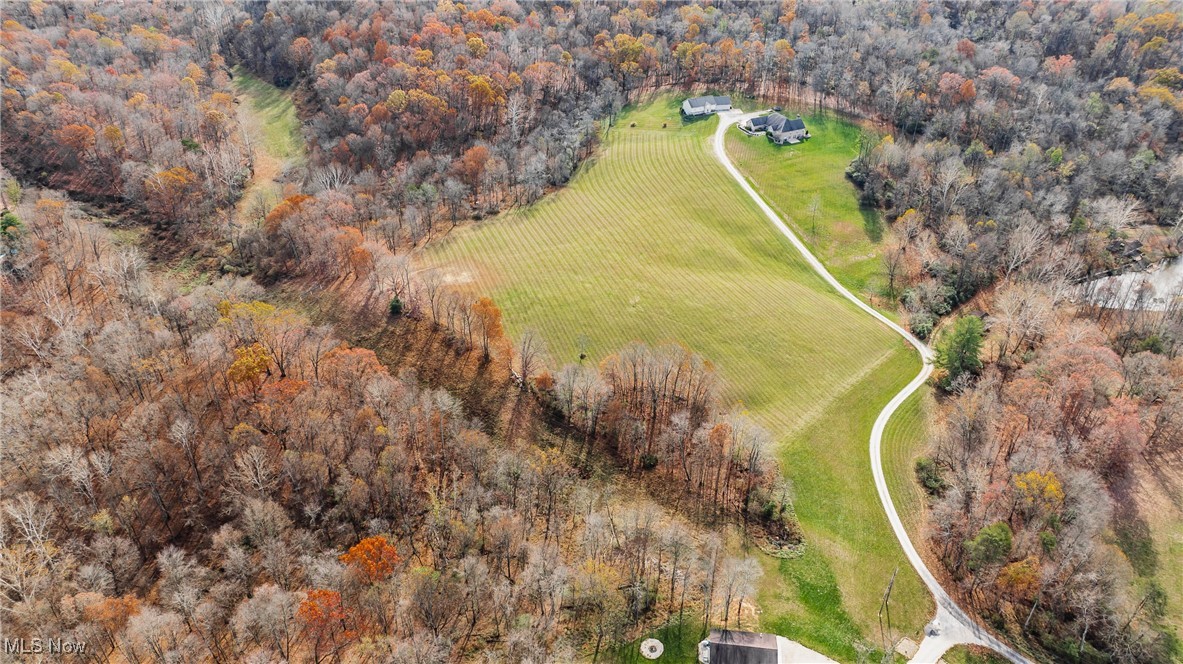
1164	283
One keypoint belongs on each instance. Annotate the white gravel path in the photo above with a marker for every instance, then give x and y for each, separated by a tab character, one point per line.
951	625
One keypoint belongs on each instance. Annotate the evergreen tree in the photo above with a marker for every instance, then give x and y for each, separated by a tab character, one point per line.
959	349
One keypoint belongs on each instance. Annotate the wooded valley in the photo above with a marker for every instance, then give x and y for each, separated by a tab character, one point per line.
250	415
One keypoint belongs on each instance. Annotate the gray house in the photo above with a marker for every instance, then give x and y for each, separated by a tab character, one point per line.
756	125
781	130
706	105
726	646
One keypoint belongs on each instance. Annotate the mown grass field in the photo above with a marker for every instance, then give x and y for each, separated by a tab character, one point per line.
845	236
269	119
653	241
904	441
277	120
1153	542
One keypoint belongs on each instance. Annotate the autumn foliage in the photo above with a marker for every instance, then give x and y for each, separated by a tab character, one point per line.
373	559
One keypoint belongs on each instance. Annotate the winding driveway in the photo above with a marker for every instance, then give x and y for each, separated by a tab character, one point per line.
951	625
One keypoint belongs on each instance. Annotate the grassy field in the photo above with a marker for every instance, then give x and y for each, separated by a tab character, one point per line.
1152	539
903	441
274	113
268	117
845	236
653	241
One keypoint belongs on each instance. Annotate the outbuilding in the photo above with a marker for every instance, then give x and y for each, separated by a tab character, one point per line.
706	105
725	646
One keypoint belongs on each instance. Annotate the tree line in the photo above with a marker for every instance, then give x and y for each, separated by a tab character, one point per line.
1048	417
199	474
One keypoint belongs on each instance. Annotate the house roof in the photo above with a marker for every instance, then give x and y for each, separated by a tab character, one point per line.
697	102
745	639
760	121
734	647
778	123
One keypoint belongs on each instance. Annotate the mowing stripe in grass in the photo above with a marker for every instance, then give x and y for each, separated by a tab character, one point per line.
654	241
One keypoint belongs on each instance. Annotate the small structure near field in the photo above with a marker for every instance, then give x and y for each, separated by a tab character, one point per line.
724	646
705	105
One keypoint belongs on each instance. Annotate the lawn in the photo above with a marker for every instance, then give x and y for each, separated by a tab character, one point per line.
680	641
845	236
653	241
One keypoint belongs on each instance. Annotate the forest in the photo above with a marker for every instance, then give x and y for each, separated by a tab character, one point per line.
200	465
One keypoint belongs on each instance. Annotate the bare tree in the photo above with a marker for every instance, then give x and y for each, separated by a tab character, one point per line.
531	348
1113	213
331	177
1023	243
815	209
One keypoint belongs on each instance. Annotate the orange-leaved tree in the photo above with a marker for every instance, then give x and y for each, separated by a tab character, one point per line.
488	321
372	559
326	620
172	194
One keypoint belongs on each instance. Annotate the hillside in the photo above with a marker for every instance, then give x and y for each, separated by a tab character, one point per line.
652	241
430	332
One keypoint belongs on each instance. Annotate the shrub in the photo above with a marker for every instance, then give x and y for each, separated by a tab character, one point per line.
921	324
648	461
1047	540
10	225
1154	343
768	511
12	189
396	307
930	476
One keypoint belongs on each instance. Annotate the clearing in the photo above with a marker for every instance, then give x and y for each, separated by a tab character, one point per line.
844	235
268	118
654	241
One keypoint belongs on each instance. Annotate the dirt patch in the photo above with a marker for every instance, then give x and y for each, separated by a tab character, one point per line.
455	277
266	168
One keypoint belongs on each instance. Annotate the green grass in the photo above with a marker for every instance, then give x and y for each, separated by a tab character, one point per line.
653	241
845	236
1151	539
904	439
277	120
1167	530
680	639
971	655
269	119
841	588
